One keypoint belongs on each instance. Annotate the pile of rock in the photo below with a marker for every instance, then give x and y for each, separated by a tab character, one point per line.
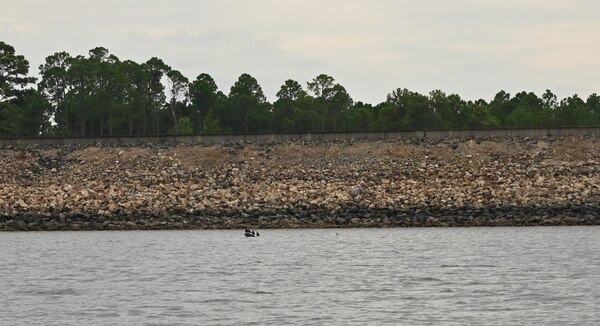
452	182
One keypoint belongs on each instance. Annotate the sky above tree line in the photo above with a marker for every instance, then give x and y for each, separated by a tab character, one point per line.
470	47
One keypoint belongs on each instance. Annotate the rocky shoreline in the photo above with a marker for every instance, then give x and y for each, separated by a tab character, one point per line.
393	183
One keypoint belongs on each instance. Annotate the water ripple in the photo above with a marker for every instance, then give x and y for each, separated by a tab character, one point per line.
473	276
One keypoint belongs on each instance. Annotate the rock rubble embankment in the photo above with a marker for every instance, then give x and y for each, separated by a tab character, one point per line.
451	182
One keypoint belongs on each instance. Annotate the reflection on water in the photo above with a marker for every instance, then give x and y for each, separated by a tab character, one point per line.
479	276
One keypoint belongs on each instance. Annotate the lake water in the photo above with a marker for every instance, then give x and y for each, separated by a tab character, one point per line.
421	276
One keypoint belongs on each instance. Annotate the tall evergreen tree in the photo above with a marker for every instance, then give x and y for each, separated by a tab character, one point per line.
13	79
13	72
55	85
288	98
203	95
321	87
247	105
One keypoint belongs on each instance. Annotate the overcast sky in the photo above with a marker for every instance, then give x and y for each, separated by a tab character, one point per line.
470	47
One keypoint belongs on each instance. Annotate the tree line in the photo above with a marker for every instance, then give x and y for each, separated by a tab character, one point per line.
98	94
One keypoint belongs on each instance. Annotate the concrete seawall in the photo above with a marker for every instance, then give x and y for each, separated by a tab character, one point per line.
396	182
210	139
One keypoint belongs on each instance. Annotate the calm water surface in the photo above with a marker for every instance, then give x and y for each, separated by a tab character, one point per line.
457	276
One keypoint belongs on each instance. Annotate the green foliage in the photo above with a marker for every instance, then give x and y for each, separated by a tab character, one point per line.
9	118
203	96
212	124
412	109
34	110
321	86
25	116
388	118
477	115
502	107
22	111
593	105
98	94
178	90
360	117
443	108
247	109
574	112
13	71
331	100
54	131
55	84
290	111
184	126
338	105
